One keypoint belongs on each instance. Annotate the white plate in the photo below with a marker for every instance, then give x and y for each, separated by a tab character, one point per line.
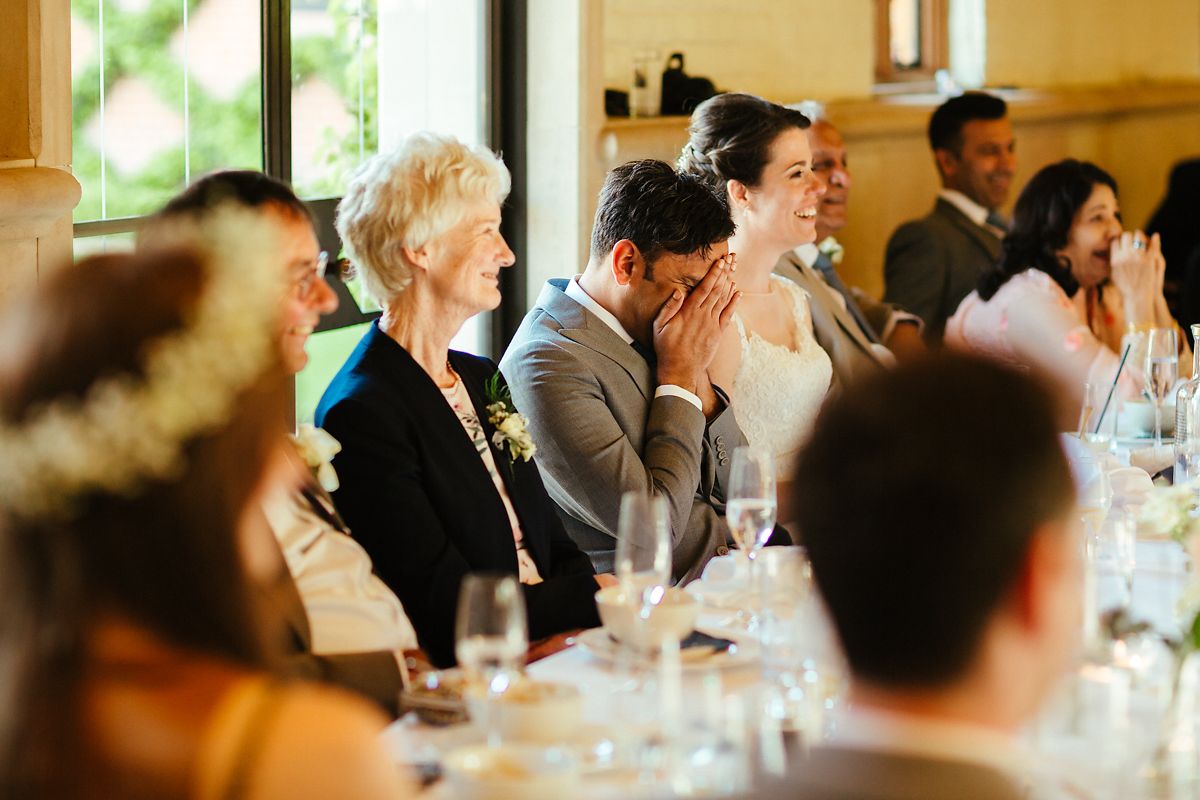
597	643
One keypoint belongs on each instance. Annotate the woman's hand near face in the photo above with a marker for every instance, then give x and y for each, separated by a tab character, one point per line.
1137	273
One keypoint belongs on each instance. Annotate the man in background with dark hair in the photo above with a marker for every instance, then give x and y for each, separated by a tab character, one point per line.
611	366
932	263
950	565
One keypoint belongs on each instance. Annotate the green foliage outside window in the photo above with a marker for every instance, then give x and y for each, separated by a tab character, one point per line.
224	133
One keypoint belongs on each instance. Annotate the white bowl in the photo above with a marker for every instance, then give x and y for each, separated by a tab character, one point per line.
620	615
1137	417
532	711
511	772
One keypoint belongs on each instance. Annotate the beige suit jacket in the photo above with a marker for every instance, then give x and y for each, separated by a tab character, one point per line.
600	431
851	352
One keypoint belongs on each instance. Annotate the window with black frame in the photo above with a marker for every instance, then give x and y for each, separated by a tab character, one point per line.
167	90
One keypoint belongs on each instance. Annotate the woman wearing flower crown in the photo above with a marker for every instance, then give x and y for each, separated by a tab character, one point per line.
435	470
140	419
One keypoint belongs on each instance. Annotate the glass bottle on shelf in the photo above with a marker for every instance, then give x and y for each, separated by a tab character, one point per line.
1187	420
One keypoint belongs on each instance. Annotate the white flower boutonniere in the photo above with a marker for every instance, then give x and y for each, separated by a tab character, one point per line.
832	248
318	448
512	431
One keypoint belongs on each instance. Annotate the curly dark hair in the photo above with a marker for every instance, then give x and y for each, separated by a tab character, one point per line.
730	138
660	211
1042	222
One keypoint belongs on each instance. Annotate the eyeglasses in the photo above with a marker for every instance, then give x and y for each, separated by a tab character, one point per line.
304	286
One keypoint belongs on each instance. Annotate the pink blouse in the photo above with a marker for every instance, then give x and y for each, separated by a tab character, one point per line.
1030	322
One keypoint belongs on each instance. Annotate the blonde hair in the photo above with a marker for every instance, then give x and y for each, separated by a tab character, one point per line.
408	197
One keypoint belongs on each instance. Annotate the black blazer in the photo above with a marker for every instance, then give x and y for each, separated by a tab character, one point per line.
419	499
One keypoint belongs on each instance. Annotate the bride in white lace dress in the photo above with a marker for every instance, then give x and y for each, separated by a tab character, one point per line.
757	153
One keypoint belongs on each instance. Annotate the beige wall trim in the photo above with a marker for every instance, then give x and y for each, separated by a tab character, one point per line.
33	200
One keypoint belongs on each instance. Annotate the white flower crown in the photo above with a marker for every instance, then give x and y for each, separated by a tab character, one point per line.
128	430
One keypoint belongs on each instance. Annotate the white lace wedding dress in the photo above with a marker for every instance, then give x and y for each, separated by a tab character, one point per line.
778	391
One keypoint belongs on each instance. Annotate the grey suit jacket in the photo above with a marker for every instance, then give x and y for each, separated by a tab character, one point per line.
836	329
601	432
933	263
833	773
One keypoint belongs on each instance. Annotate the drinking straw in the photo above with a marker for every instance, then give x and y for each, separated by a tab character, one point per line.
1112	388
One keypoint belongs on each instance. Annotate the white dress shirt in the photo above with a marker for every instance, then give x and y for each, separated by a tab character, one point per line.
576	293
972	210
349	608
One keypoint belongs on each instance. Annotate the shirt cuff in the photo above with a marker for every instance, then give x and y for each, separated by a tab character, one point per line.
671	390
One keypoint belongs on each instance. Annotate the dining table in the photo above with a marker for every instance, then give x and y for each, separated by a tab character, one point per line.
624	705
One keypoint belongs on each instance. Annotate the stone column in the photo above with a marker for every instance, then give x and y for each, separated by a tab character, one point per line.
37	190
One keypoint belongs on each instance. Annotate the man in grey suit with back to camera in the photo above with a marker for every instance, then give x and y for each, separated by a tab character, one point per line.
951	569
932	263
611	366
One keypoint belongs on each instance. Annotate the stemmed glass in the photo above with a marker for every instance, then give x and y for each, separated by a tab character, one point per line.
1162	369
643	557
1093	499
750	510
491	637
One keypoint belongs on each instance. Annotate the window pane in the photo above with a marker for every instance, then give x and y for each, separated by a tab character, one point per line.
335	96
904	24
110	243
162	90
365	73
327	351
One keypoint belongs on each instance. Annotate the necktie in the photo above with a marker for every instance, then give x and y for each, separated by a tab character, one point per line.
646	353
825	265
322	506
998	222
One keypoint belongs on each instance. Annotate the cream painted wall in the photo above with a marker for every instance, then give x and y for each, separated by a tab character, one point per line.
782	49
1091	42
894	178
791	49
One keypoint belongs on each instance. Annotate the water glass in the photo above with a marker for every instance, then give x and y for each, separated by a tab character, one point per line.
643	554
1094	492
491	636
1113	558
1161	372
750	511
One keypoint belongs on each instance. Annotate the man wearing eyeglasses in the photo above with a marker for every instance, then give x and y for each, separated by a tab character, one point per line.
347	627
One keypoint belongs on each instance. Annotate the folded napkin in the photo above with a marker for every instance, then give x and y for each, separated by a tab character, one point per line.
1153	460
1131	484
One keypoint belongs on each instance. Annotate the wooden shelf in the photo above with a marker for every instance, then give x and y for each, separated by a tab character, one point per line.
887	115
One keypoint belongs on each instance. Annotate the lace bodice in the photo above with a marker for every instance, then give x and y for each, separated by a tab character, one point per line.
778	391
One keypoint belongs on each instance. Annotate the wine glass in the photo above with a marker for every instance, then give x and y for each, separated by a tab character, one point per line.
491	636
643	557
1162	369
1094	491
750	510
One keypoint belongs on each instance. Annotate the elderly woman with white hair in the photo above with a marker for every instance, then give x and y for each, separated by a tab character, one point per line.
435	470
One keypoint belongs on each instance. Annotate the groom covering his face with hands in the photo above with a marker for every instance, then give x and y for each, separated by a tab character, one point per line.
611	367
